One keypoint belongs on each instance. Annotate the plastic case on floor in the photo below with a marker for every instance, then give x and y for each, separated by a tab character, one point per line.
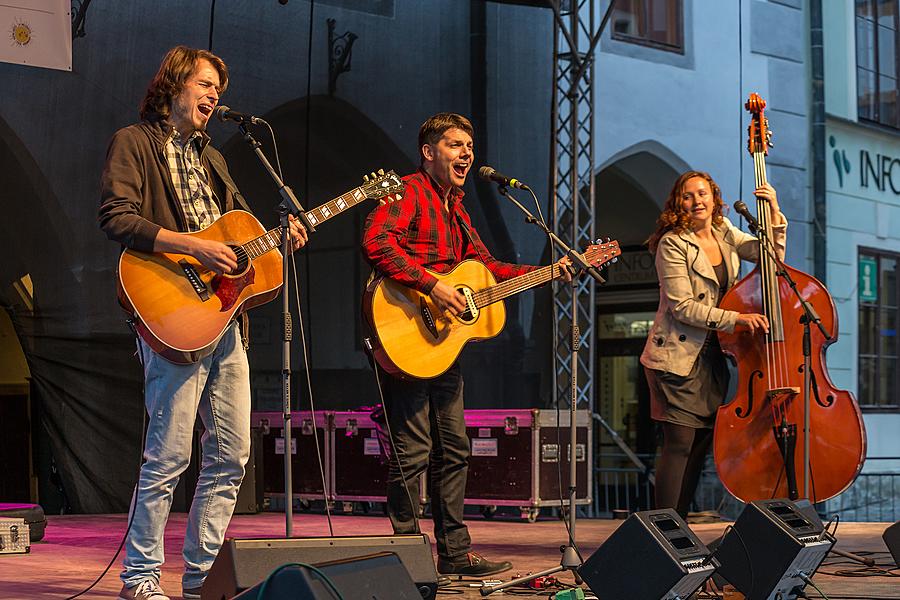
360	470
33	515
519	456
305	475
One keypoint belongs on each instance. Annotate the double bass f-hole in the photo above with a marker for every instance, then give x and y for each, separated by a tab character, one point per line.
739	411
829	399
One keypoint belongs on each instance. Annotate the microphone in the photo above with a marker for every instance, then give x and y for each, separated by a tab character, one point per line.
489	174
224	113
741	207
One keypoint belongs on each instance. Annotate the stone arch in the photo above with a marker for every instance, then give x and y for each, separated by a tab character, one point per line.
344	145
632	186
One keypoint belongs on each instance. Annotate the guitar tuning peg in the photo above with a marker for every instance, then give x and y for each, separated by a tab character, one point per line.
381	171
373	175
615	260
770	144
366	178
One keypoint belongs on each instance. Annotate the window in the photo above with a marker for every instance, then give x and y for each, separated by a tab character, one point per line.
876	61
657	23
878	320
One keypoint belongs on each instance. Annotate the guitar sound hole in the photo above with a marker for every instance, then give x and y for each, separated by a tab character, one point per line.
243	260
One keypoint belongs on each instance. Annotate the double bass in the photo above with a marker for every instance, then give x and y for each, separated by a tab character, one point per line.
760	436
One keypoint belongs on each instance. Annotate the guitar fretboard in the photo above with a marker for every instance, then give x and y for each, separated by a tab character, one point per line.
272	238
513	286
596	255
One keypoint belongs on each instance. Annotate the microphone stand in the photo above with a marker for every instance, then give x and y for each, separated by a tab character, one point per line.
570	560
289	205
808	317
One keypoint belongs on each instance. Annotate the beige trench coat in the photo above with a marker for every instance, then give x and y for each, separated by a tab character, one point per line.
689	290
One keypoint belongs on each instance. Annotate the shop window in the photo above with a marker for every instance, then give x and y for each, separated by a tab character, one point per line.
879	315
656	23
877	29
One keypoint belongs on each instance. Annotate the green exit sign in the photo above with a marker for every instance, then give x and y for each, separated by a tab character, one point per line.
868	279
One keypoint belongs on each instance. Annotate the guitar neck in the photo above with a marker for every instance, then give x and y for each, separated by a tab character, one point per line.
272	238
513	286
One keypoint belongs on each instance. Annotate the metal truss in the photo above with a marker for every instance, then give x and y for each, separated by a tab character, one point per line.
576	35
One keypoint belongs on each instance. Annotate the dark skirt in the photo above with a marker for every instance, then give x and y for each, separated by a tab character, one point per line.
691	401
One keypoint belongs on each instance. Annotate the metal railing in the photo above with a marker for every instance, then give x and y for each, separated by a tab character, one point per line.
619	486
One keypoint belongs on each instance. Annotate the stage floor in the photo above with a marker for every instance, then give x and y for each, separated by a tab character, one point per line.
77	548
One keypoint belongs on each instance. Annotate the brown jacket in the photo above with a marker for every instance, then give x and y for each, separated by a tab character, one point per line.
689	292
137	196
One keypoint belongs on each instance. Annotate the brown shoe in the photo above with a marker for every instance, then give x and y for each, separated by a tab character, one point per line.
148	589
471	564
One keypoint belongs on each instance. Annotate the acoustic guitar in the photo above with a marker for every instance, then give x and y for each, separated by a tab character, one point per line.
415	339
181	308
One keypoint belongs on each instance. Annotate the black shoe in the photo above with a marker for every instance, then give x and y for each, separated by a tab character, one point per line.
472	564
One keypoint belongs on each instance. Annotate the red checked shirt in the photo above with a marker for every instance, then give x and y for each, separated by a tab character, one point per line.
403	236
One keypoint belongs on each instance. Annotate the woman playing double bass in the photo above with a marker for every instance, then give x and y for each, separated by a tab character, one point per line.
698	254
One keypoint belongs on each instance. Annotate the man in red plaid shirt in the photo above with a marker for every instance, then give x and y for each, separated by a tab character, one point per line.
430	227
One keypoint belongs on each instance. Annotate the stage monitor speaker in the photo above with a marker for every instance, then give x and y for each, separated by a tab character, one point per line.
892	541
242	563
771	548
374	577
652	556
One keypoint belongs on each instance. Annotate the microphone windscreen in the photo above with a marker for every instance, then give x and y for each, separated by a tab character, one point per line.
485	172
220	111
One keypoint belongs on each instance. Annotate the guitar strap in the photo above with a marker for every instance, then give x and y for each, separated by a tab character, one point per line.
222	172
465	227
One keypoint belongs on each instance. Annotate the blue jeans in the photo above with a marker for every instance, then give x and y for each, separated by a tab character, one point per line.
218	389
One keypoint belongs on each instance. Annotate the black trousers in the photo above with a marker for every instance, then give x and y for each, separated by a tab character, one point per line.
428	427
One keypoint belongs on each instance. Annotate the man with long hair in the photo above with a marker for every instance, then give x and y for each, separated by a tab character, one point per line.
162	178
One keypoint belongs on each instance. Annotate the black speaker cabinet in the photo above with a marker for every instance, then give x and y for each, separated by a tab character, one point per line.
243	563
652	556
892	541
771	544
374	577
250	495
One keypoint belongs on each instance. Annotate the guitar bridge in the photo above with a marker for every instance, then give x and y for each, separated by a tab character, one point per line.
428	318
193	277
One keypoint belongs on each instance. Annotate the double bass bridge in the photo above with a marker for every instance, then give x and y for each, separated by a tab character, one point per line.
782	395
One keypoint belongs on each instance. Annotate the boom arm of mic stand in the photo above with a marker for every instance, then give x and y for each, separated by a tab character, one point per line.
289	201
573	255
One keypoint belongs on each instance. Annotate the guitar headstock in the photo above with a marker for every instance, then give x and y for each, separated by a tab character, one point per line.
759	136
381	186
602	252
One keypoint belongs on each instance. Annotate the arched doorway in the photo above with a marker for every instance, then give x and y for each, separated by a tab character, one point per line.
343	145
632	188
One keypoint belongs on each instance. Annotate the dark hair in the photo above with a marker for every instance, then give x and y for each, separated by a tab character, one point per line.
674	217
432	130
174	70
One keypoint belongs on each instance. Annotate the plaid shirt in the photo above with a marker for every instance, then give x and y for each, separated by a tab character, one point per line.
403	236
191	181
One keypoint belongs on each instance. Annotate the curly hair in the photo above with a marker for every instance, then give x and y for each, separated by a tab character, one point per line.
174	70
674	217
435	126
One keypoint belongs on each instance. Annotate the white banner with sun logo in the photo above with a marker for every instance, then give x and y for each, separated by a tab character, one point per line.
37	33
